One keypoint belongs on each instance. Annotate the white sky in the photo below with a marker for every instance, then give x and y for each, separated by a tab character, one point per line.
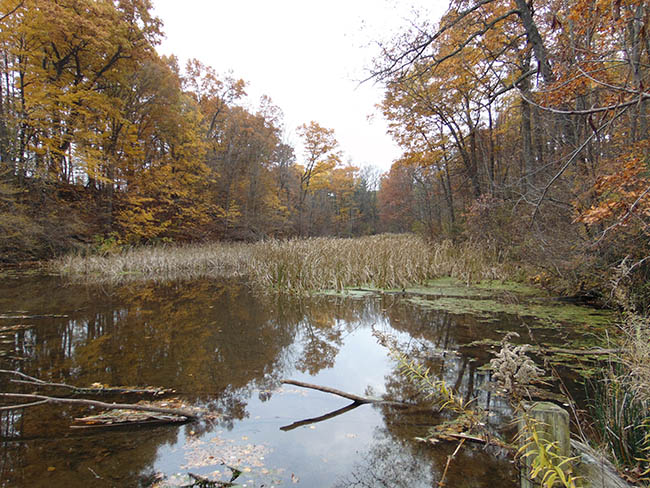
307	55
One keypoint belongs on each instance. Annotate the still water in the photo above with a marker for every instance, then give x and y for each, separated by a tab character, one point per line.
222	347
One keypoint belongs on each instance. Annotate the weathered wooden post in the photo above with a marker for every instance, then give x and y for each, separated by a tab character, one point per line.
551	423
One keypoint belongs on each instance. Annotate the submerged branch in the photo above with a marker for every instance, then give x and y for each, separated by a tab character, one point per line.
23	405
101	390
94	403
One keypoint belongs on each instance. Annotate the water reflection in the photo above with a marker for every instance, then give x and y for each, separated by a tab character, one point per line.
222	346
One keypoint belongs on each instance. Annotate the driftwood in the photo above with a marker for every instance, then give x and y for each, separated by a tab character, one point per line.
42	399
357	400
350	396
101	390
106	420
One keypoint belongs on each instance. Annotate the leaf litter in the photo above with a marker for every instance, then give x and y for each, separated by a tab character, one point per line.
229	459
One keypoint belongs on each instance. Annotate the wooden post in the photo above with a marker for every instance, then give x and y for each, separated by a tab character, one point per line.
551	423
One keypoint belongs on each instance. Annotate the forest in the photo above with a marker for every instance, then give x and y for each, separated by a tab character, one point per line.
524	126
102	139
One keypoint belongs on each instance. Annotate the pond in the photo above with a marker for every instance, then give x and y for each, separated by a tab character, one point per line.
227	349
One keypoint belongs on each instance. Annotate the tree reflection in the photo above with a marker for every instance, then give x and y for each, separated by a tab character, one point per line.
218	345
320	345
215	343
392	461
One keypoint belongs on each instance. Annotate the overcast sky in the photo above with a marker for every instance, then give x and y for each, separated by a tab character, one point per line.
307	55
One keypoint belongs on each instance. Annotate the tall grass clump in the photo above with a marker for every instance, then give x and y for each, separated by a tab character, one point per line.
621	398
387	261
471	261
384	261
622	418
159	262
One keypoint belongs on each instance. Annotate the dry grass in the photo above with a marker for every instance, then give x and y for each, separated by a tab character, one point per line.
300	265
637	351
158	263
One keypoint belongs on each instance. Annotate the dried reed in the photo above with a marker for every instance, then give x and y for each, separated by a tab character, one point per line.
386	261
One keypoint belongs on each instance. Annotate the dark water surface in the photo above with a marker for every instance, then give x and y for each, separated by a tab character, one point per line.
224	348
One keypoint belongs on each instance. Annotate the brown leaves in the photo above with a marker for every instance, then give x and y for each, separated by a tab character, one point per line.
623	193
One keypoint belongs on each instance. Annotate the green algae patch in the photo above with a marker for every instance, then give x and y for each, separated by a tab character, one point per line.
488	300
496	286
453	287
448	287
488	309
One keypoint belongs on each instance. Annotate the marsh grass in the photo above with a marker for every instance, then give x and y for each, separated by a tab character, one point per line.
157	263
637	346
623	421
620	401
387	261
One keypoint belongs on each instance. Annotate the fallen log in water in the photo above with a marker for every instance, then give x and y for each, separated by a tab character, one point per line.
357	400
43	399
350	396
126	418
94	390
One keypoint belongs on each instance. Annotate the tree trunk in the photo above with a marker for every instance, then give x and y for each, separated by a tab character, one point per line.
535	40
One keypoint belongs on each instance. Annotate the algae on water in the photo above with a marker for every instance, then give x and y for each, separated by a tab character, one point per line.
487	299
487	309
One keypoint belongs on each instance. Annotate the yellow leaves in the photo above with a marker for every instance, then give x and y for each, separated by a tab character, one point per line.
230	213
320	176
547	466
318	141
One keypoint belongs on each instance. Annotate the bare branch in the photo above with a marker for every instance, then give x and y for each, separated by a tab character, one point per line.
416	52
12	11
30	380
23	405
571	160
349	396
642	96
322	418
95	403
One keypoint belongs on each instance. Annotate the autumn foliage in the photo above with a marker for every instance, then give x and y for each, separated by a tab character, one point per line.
526	124
102	139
